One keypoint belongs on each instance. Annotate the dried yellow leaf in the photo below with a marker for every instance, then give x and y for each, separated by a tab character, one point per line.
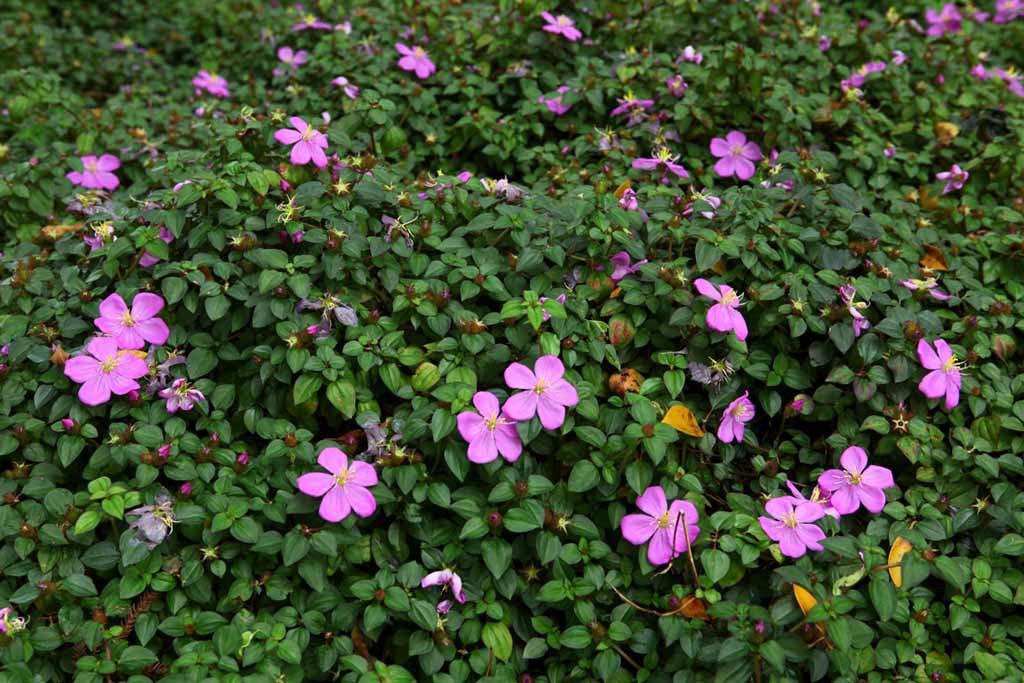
682	420
900	547
804	598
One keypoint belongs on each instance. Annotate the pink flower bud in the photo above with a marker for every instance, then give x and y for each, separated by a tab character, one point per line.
68	424
185	489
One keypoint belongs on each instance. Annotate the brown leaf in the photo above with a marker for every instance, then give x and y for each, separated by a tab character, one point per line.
933	258
55	232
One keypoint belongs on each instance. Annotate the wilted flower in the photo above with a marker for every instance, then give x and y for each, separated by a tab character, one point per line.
860	323
10	623
676	85
927	285
154	522
181	396
664	161
448	581
624	266
292	58
555	104
311	23
670	529
351	91
690	54
147	259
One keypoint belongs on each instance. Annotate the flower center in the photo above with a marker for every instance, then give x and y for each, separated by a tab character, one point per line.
541	387
91	167
950	365
563	20
419	52
110	364
853	478
730	298
790	520
342	477
740	410
736	150
491	421
308	134
663	520
127	320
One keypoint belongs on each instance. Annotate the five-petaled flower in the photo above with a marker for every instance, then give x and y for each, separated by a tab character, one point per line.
488	431
547	393
670	529
857	483
415	59
211	83
736	156
944	378
724	316
181	396
561	26
291	57
954	178
734	419
792	525
133	329
105	369
345	487
308	144
97	173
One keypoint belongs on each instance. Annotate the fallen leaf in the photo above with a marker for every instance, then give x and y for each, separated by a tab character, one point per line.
693	608
55	232
933	258
900	547
621	189
804	598
682	420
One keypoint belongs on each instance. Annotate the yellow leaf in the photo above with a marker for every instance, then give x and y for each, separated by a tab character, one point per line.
621	189
682	420
900	547
804	598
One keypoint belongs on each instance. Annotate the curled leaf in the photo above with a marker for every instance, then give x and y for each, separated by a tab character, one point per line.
682	420
900	547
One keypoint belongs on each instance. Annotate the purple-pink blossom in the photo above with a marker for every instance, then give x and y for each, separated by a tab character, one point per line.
308	144
630	104
488	432
691	55
629	201
561	26
344	488
133	329
292	58
954	178
211	83
97	172
147	259
181	396
676	85
703	196
818	497
415	59
928	285
547	393
310	22
351	91
792	526
847	293
663	161
734	419
724	316
670	530
448	581
624	266
948	20
944	379
736	156
105	369
555	104
857	483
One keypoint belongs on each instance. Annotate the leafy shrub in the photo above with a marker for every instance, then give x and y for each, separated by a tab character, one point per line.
552	188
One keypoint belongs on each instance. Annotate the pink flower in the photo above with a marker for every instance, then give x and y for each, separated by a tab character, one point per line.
104	370
944	378
860	323
560	299
448	580
415	59
899	58
561	26
624	266
555	104
670	530
291	57
628	200
308	143
663	161
345	489
97	173
547	393
631	105
181	396
211	83
488	432
955	178
133	329
736	155
734	419
690	54
464	176
980	72
824	43
818	497
928	285
724	316
946	21
310	22
702	196
185	489
857	483
1008	10
102	235
148	259
676	85
792	526
889	152
351	91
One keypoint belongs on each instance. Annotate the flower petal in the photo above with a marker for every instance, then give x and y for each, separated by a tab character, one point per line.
560	391
926	354
551	413
934	384
652	501
854	459
334	460
521	406
509	445
359	497
638	529
334	506
146	305
487	403
707	289
315	483
362	474
113	307
483	448
879	477
518	376
548	368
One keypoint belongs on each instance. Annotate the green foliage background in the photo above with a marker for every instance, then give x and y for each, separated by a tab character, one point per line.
252	586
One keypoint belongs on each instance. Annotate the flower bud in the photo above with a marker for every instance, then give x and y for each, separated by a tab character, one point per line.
1003	346
68	424
185	489
620	330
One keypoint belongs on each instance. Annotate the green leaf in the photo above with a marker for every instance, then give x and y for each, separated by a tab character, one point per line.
497	556
79	585
584	476
306	387
497	637
715	563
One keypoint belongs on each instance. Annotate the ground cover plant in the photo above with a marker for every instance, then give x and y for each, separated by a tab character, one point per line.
511	341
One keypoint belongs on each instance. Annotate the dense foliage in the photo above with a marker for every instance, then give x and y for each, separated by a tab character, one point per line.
508	185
